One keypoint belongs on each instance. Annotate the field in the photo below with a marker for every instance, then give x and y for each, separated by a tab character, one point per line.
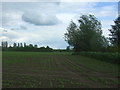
56	70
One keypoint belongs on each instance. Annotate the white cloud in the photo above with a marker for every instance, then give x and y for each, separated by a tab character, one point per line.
4	38
107	11
11	19
43	36
23	27
49	15
106	24
38	18
66	17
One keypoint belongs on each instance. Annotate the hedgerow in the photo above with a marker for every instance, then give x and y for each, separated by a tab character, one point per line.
103	56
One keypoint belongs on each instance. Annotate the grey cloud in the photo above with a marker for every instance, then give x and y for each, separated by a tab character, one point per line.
30	6
40	19
23	27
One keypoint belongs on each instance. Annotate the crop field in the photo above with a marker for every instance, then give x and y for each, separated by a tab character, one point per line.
56	70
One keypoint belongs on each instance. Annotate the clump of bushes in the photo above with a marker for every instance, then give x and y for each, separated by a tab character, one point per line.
103	56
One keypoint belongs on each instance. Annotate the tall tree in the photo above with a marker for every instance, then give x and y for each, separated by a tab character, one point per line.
71	35
25	44
18	45
35	46
4	44
21	45
15	45
68	48
87	36
115	33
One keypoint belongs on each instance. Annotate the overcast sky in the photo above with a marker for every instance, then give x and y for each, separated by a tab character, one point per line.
45	23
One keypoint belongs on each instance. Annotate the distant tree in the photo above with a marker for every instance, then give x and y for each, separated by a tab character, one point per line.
25	44
10	46
42	48
115	33
48	47
4	44
18	45
15	45
87	36
21	45
30	45
35	46
68	48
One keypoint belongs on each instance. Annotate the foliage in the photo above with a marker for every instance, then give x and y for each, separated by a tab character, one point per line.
113	49
68	48
107	57
56	70
115	33
20	47
87	36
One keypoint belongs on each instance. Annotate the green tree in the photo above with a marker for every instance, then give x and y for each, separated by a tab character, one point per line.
15	45
4	44
21	45
115	33
87	36
25	44
71	35
68	48
31	46
18	45
35	46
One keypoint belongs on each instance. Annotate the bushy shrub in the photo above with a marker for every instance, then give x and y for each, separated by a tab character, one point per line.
103	56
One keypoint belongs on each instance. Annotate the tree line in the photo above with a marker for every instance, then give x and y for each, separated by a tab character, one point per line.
84	36
87	35
24	47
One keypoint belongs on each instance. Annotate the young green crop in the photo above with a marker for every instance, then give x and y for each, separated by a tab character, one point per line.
52	70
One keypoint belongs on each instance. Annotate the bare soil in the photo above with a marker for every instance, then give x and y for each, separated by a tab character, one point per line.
55	71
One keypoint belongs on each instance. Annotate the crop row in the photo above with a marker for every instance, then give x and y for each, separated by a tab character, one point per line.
41	83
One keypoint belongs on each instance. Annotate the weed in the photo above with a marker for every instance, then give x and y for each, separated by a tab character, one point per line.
103	80
51	85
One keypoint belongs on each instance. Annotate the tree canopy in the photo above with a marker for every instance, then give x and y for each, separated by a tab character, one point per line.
21	47
87	36
115	33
